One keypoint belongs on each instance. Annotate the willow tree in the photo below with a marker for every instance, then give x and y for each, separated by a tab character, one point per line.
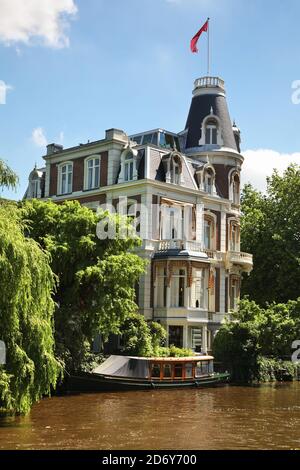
26	317
97	277
8	177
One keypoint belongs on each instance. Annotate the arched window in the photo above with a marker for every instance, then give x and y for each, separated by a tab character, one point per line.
175	170
236	189
92	173
209	179
35	187
211	132
128	167
65	178
234	236
209	233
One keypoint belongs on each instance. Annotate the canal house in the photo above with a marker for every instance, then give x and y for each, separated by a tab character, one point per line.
183	192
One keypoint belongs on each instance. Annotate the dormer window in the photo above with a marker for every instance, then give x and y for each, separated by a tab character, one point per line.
173	168
206	178
175	171
128	167
65	178
211	133
209	182
92	173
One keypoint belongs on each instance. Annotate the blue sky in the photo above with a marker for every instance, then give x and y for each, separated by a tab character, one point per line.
127	64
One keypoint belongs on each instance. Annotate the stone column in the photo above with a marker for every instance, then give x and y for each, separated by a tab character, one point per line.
204	339
200	222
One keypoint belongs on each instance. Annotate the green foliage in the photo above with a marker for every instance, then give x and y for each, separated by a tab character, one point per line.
271	370
26	317
96	290
8	178
257	333
173	351
270	229
142	338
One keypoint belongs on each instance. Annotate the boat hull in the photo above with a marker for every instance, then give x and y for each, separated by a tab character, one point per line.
98	383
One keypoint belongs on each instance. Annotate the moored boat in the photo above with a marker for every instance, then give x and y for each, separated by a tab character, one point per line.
138	373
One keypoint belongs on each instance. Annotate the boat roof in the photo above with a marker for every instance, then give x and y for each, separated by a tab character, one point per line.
130	366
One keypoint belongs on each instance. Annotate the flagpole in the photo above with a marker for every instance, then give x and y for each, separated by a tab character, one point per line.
208	48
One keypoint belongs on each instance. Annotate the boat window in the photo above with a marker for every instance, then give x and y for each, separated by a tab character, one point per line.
155	371
167	371
202	368
178	371
188	371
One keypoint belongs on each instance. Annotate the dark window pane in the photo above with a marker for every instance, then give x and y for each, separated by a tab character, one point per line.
178	371
155	371
167	371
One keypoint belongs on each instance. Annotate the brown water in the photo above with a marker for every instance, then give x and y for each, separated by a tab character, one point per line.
266	417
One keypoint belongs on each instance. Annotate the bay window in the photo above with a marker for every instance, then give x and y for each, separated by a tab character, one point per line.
199	290
178	283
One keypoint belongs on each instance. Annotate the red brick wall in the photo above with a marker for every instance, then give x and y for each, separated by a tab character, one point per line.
78	174
53	180
217	290
222	172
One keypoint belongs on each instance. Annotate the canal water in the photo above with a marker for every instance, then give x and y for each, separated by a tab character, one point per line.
265	417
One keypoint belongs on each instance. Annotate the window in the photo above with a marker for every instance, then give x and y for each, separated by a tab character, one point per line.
234	237
209	180
35	188
155	371
236	189
66	178
178	288
93	173
162	287
128	167
208	233
234	293
171	223
199	289
188	370
211	133
175	170
167	371
178	369
176	336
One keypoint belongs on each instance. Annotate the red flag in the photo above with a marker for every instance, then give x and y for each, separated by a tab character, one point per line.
195	39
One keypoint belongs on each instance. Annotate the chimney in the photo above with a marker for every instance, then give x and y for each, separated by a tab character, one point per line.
54	148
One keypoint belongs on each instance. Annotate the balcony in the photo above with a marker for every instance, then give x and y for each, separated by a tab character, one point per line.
243	259
209	82
191	246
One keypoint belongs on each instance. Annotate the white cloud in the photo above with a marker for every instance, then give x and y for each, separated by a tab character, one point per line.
260	163
22	21
4	88
61	137
38	137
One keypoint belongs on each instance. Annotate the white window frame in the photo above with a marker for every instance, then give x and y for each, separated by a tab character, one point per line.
86	173
35	188
60	174
174	277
